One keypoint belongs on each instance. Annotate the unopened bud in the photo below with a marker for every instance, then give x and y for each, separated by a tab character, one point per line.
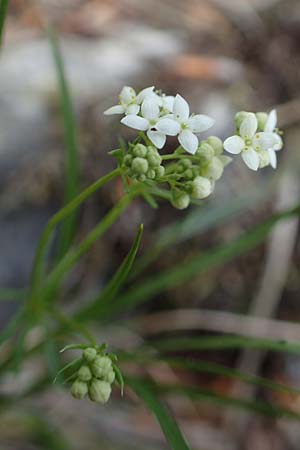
262	118
160	171
214	169
154	159
181	201
205	152
110	377
79	389
140	165
216	143
84	373
90	354
139	150
101	366
201	188
99	391
239	117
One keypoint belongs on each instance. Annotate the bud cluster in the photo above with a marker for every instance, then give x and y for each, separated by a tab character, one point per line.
95	376
143	163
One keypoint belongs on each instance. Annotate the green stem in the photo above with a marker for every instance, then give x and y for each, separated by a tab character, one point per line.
37	271
176	156
3	13
74	254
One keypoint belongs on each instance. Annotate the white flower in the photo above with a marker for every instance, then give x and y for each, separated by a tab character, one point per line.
186	125
129	101
270	127
152	122
250	143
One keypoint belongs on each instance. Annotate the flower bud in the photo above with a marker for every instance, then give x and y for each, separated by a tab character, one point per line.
201	188
79	389
216	143
262	118
205	152
160	171
154	159
140	165
110	377
90	354
151	174
140	150
239	117
214	169
84	373
128	160
189	174
101	366
186	163
181	201
99	391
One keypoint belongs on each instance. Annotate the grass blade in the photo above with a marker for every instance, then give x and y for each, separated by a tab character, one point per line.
117	282
12	326
167	423
71	145
3	13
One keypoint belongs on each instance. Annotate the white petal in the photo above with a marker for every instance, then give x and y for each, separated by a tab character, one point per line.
150	109
251	158
273	158
144	94
157	138
265	141
132	109
168	126
168	102
279	143
249	125
127	95
136	122
234	145
189	141
200	122
118	109
271	121
181	108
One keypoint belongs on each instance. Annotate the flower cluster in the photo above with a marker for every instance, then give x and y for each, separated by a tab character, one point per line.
94	377
257	139
191	171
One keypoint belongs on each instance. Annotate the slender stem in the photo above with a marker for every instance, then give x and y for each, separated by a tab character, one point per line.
37	271
74	254
174	156
3	13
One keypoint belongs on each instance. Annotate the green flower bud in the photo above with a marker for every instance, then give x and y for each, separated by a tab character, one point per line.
205	152
186	163
181	201
99	391
216	143
142	178
101	366
79	389
154	158
128	160
90	354
151	174
140	165
110	377
214	169
239	117
140	150
264	158
84	373
189	174
201	188
262	118
160	171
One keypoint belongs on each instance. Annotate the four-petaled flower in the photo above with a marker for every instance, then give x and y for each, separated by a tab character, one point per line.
129	101
250	143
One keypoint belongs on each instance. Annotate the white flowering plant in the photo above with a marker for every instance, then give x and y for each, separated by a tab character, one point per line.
187	175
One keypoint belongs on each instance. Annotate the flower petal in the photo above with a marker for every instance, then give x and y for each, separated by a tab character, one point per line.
127	95
189	141
273	158
136	122
265	141
144	94
181	108
168	126
150	109
168	102
249	126
271	121
234	145
132	109
200	122
117	109
251	158
279	143
157	138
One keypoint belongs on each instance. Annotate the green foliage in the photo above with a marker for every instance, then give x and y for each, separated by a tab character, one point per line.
3	13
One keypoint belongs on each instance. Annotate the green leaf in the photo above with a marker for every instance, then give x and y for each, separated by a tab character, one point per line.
3	13
68	366
119	377
181	273
12	326
168	425
102	301
225	342
68	227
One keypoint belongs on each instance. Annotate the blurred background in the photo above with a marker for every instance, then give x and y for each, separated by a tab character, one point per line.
223	56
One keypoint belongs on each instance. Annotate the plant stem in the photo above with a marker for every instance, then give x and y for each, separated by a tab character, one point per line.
37	271
175	156
3	13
